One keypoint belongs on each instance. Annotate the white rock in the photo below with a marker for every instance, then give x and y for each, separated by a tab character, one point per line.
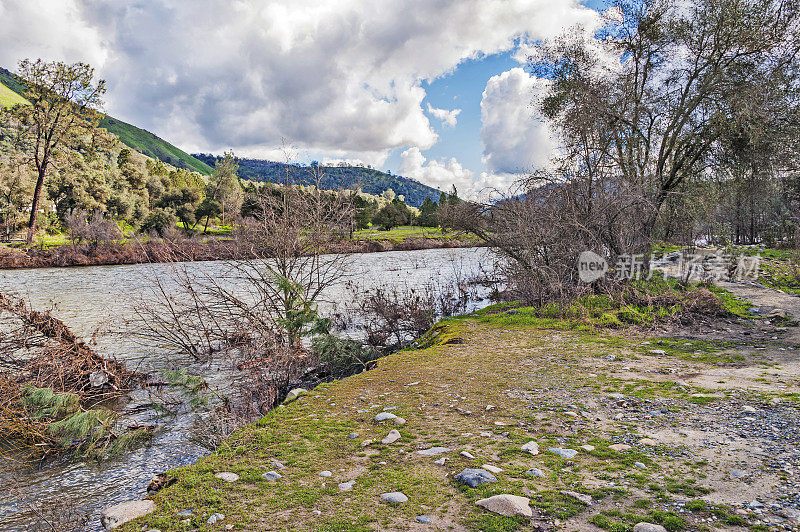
508	505
588	448
585	499
294	394
227	476
648	527
347	486
272	475
390	438
467	454
394	498
276	464
399	421
384	416
492	469
531	447
433	451
215	518
440	461
123	512
325	474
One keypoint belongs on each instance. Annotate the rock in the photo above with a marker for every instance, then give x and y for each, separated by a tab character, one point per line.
736	473
657	352
98	378
390	438
384	416
618	447
563	453
433	451
325	474
791	513
316	512
648	527
588	448
227	476
159	482
367	443
388	408
749	409
492	469
125	511
352	436
753	310
777	313
535	472
294	394
585	499
440	461
610	358
276	464
467	454
399	421
424	519
531	447
347	486
755	504
394	498
507	505
272	476
215	518
648	441
640	465
475	477
184	513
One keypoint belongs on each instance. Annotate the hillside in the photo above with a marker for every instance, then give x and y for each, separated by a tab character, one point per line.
143	141
335	177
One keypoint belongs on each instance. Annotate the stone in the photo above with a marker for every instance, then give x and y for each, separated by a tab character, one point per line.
399	421
433	451
347	486
585	499
293	394
316	512
440	461
531	447
640	465
390	438
467	454
535	472
424	519
648	527
395	497
563	453
618	447
570	413
657	352
123	512
215	518
388	408
492	469
737	474
367	443
475	477
755	504
588	448
648	441
352	436
98	378
384	416
227	476
325	474
507	505
272	476
184	513
610	358
777	313
276	464
749	409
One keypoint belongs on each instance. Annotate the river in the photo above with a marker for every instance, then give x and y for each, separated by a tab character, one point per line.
94	302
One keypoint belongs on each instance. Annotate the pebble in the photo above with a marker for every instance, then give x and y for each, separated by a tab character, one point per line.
467	455
619	447
325	474
399	421
384	416
563	453
648	527
475	477
272	475
227	476
640	465
316	512
433	451
276	464
424	519
347	486
648	441
440	461
215	518
588	448
507	505
367	443
352	436
395	497
535	472
585	499
390	438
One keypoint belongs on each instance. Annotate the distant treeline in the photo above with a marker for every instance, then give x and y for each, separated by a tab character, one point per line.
335	177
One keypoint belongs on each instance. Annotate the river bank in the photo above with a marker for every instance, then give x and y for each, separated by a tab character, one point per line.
190	250
687	428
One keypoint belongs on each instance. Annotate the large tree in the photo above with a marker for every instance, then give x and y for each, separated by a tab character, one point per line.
62	114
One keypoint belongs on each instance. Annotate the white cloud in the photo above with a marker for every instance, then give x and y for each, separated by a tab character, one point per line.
448	117
333	76
515	140
441	174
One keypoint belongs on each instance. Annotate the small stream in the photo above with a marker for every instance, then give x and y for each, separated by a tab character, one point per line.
95	302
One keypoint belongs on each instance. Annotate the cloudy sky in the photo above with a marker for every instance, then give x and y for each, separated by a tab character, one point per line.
432	89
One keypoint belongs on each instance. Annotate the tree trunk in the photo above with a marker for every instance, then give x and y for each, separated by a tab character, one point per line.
37	197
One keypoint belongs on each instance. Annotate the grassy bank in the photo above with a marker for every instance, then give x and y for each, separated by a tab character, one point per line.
485	384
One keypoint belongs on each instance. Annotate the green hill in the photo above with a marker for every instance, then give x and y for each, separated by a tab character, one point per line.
370	180
11	90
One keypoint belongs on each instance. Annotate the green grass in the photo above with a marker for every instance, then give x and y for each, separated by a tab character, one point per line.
9	98
401	233
152	146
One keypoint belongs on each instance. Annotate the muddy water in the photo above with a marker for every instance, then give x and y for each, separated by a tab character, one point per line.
94	302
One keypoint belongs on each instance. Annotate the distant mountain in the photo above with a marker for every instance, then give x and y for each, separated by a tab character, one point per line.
334	177
138	139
